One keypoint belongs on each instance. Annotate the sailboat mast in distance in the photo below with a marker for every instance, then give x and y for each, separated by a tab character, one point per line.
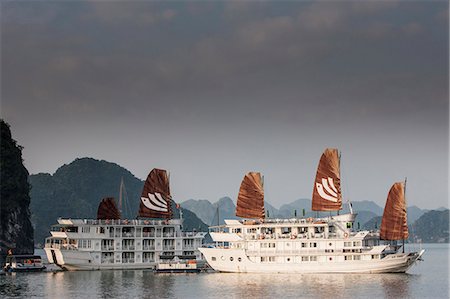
120	194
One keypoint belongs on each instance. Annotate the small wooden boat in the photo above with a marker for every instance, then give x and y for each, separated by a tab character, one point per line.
23	263
177	267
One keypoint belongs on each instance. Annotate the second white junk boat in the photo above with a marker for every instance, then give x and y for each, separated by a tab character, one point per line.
319	245
109	242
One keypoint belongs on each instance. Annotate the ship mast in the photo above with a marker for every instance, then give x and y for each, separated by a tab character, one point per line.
120	195
350	207
404	191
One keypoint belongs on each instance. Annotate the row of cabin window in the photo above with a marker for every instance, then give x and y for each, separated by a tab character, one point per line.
273	245
265	259
84	243
304	259
352	257
101	230
284	230
349	244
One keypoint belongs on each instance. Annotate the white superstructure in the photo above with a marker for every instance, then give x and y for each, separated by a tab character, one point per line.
321	245
86	244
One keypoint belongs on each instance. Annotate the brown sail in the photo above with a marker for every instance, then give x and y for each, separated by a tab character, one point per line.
107	209
394	225
155	198
250	202
327	186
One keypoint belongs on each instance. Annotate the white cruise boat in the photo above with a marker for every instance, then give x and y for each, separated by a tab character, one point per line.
109	242
312	245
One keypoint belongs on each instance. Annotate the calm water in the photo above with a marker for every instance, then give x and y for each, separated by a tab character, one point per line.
428	279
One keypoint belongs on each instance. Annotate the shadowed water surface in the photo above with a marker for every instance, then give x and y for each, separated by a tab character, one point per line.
428	279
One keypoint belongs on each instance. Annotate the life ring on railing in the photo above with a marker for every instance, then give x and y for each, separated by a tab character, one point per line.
146	222
294	236
309	219
346	235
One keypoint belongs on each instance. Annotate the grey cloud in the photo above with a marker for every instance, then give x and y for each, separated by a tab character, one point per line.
277	80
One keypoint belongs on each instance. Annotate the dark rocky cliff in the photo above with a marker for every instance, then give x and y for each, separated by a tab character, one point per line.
16	231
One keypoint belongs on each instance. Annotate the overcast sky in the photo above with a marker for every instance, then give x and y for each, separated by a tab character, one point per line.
211	90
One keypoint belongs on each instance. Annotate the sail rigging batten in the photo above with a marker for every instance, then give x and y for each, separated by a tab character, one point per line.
156	202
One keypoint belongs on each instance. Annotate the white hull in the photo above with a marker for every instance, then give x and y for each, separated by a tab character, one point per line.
79	260
78	244
325	245
397	263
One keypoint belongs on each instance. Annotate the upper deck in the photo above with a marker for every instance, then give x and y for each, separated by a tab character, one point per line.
333	227
121	228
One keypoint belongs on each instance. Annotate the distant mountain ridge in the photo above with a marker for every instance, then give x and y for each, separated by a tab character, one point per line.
431	227
76	189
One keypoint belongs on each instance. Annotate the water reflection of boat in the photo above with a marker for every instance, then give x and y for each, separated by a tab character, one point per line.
310	245
23	263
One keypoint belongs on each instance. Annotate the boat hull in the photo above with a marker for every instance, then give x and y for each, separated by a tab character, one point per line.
73	260
235	260
178	271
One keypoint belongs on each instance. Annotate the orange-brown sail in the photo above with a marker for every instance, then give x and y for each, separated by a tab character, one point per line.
155	197
250	202
327	186
394	225
107	209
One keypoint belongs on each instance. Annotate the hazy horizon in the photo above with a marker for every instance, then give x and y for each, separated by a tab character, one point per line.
212	90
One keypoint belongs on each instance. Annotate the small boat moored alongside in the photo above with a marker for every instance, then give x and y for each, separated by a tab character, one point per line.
23	263
189	266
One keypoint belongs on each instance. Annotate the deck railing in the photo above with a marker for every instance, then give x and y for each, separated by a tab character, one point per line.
130	222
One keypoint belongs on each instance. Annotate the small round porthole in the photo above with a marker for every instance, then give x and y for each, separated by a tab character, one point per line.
223	258
330	244
239	259
231	258
288	259
331	258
